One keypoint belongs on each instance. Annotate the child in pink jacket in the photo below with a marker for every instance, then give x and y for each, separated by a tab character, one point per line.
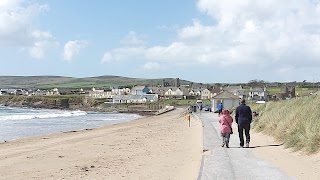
225	121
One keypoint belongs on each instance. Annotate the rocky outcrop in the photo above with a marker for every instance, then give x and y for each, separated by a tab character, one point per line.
38	102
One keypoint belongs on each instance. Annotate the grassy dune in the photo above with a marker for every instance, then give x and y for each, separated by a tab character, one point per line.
294	122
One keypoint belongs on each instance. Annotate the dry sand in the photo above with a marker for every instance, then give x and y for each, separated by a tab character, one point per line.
157	147
295	164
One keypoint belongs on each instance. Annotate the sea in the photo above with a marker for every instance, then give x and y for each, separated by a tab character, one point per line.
17	123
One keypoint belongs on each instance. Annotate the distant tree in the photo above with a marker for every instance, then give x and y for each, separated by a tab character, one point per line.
218	84
256	83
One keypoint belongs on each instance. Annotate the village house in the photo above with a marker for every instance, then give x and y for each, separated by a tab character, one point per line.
228	99
54	91
176	93
95	93
158	90
140	90
237	91
12	91
195	92
39	92
215	90
122	91
135	98
258	94
205	94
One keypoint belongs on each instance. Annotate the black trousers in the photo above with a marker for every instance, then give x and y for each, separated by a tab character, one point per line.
246	128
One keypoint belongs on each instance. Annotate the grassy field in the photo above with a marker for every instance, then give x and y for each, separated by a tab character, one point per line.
294	122
299	91
274	90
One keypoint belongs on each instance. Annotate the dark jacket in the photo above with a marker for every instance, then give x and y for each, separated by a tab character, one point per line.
243	114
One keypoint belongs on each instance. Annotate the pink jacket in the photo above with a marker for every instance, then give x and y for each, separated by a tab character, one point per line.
224	127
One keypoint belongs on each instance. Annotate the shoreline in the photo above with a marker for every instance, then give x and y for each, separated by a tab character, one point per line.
78	103
155	147
142	112
21	123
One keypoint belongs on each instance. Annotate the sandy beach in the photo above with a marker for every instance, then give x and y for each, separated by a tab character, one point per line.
157	147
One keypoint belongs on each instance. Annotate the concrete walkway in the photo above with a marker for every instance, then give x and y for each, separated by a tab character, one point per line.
234	162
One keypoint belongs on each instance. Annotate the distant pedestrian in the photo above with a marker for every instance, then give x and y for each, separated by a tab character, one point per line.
225	121
243	119
220	108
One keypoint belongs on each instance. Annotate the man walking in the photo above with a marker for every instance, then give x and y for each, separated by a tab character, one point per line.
243	119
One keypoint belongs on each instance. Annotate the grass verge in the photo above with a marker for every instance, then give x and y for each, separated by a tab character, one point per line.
294	122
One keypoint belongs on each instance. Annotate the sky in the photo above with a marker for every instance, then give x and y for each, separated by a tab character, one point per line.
205	41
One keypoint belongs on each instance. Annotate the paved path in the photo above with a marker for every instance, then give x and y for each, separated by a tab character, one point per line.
234	162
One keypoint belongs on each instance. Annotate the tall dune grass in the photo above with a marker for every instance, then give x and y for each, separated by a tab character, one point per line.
294	122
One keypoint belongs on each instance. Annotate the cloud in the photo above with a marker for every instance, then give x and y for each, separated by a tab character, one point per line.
281	32
151	66
72	48
257	35
42	41
132	38
123	54
107	57
8	4
17	27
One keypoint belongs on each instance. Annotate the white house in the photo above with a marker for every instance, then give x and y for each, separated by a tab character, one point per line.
135	98
258	93
123	91
176	92
197	92
229	100
54	91
39	92
95	93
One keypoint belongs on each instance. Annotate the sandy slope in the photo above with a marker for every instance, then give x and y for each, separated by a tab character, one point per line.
294	164
158	147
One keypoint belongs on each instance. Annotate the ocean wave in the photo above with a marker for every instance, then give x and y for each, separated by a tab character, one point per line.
42	115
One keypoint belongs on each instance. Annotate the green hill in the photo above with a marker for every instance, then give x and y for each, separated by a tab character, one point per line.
48	82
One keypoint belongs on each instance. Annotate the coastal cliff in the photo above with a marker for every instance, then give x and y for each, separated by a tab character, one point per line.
35	102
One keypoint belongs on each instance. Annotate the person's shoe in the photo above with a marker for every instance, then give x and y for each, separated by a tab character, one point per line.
241	146
247	145
227	145
222	145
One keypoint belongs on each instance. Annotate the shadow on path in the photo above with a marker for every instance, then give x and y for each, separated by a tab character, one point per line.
267	145
254	146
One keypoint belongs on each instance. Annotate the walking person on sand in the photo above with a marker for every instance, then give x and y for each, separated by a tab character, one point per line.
243	119
225	121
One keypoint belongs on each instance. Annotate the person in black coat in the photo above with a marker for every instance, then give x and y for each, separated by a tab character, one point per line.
243	119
